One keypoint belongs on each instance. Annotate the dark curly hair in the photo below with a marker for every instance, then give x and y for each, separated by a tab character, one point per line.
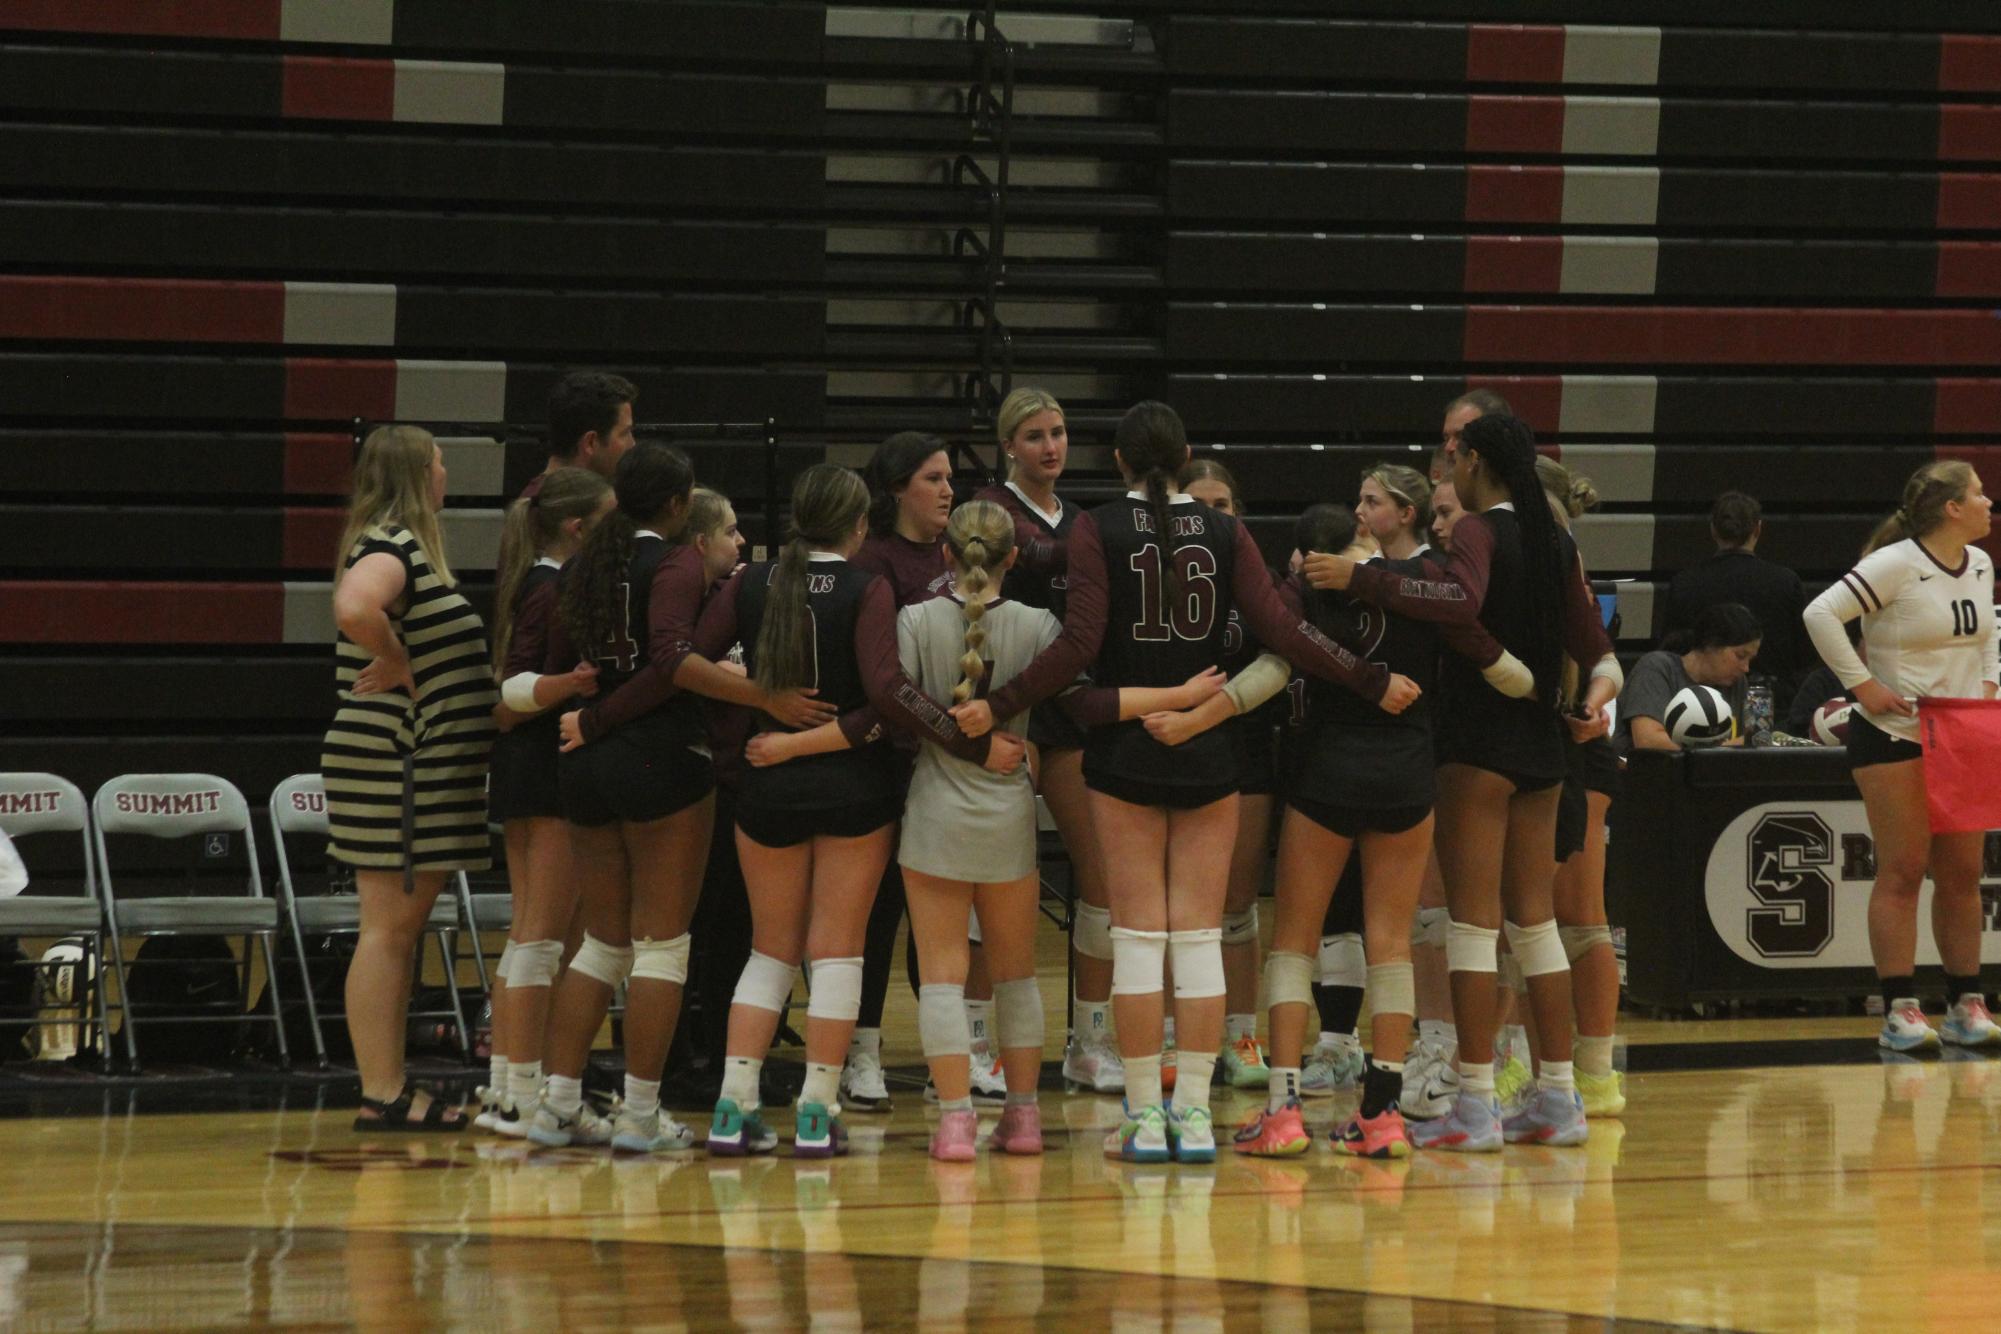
650	477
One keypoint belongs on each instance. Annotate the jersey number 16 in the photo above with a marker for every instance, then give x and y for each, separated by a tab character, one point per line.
1193	614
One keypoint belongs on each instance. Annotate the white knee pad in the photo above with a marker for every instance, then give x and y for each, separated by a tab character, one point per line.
1471	949
1430	928
1288	979
973	926
1241	928
502	969
1579	941
836	989
1392	988
1343	961
609	964
941	1020
1139	961
766	983
1538	948
1017	1013
1092	934
661	960
1198	963
536	963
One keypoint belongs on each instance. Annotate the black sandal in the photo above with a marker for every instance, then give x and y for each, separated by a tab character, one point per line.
395	1115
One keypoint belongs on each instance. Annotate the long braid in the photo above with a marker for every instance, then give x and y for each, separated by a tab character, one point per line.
979	538
1508	447
650	477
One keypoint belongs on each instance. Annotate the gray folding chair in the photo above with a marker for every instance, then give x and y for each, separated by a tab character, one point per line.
299	809
484	912
172	806
32	803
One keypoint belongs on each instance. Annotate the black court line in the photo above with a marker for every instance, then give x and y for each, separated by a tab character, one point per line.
1085	1280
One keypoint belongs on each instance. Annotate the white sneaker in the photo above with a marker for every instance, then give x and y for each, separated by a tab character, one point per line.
514	1119
552	1131
655	1132
989	1079
862	1086
1093	1064
492	1102
1905	1029
1967	1024
1436	1097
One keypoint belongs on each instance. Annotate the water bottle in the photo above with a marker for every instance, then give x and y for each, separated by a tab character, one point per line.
1758	714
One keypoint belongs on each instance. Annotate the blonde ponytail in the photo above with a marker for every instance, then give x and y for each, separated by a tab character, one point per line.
979	538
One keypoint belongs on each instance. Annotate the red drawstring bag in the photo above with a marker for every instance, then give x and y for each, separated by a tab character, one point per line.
1962	744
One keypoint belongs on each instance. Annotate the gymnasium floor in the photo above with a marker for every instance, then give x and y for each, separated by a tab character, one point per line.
1769	1175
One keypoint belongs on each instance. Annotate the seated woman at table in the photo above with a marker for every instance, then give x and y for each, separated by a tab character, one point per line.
1715	652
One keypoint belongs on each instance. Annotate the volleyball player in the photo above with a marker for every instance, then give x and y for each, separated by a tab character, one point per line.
1153	577
1927	608
910	502
1253	736
1035	443
637	786
814	833
542	533
1515	572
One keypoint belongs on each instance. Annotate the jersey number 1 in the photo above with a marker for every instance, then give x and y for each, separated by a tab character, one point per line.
1193	614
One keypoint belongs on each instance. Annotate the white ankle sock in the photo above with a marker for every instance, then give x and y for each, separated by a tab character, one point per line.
740	1081
1142	1081
823	1084
868	1040
1239	1026
1555	1075
564	1095
524	1082
1477	1079
1593	1056
1193	1071
1090	1021
496	1076
1283	1088
642	1096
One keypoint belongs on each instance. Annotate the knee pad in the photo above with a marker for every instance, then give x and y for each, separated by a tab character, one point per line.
941	1020
1139	961
1343	961
1430	928
766	983
502	969
1579	941
1288	979
536	963
1538	949
609	964
1198	963
973	926
1017	1013
1471	949
1241	928
1392	988
1092	933
661	960
835	989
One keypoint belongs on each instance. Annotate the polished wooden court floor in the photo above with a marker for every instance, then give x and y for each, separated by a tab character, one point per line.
1767	1198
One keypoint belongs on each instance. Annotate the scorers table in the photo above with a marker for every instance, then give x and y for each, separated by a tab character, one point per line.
1744	874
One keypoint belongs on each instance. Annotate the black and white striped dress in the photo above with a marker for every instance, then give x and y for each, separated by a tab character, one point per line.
403	773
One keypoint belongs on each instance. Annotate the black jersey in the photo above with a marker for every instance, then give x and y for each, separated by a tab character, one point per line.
866	774
1253	734
662	596
1039	577
1337	748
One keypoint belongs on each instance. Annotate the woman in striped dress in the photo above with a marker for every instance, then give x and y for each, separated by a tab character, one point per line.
406	757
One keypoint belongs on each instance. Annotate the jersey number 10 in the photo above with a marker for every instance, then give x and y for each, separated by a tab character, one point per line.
1193	614
1965	618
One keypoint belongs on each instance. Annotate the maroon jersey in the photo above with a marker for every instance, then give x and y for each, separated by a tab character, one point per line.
1039	577
1130	628
915	571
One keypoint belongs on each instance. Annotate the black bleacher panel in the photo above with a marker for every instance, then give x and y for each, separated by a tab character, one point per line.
673	106
1741	129
170	691
1753	269
142	389
1222	333
1724	59
1204	118
146	463
1313	262
1815	474
184	84
1782	405
619	31
582	324
322	244
466	169
796	397
34	538
1249	49
1219	404
1315	191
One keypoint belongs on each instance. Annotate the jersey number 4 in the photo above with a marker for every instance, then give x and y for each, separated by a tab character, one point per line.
1193	614
620	649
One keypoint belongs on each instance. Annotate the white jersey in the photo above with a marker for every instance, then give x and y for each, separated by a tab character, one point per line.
1929	630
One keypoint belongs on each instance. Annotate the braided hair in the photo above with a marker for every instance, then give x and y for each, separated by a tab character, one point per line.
651	476
1506	446
979	538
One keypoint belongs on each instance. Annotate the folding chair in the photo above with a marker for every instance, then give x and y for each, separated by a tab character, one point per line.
171	806
32	803
299	809
484	912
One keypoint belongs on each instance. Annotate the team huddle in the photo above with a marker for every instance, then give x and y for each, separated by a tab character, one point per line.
1419	704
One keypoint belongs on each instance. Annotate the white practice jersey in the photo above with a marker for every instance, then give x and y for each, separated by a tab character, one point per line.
1928	630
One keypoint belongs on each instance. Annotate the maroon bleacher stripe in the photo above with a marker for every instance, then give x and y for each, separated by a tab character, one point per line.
309	534
67	612
1969	133
1536	399
1969	64
1969	200
324	388
1720	336
246	20
323	88
1968	268
1514	53
1514	124
1514	194
141	310
1965	407
1514	263
318	465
